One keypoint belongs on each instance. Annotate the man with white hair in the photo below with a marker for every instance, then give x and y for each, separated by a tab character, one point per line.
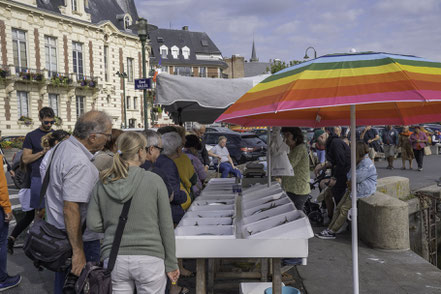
199	130
71	180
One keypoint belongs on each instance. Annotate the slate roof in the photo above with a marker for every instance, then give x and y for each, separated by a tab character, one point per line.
100	10
182	38
256	68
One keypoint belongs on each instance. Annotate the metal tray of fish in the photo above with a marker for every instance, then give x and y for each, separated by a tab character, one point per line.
269	213
265	207
209	214
220	221
205	232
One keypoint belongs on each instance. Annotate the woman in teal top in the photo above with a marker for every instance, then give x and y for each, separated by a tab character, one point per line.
147	250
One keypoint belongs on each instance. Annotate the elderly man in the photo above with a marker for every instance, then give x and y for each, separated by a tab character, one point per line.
199	130
371	137
71	180
223	159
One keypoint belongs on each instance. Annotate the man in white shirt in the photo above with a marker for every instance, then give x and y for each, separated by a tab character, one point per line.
223	160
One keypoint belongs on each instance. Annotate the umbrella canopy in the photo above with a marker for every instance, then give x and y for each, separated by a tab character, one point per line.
372	88
200	99
387	89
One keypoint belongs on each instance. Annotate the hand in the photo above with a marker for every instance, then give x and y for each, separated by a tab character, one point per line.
78	262
173	276
332	182
12	173
8	217
172	196
40	213
369	141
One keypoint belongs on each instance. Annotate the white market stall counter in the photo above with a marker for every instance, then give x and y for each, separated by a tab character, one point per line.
261	222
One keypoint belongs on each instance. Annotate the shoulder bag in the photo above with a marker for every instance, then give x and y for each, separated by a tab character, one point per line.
46	245
95	279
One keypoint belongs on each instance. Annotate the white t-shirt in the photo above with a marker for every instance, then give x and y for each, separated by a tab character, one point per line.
222	152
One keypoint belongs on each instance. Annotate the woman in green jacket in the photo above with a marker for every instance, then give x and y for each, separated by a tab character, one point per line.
147	250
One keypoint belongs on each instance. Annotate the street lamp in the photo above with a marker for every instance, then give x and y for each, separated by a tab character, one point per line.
123	76
306	52
142	26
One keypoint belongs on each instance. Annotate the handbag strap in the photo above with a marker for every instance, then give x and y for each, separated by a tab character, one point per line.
46	179
118	234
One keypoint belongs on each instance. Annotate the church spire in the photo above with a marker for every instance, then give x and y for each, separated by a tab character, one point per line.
253	54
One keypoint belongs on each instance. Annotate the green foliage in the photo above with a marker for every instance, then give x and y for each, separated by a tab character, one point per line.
278	65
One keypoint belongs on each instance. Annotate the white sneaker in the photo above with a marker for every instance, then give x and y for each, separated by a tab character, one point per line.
326	234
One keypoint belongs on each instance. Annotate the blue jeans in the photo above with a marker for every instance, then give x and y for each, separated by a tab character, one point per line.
35	193
92	252
225	168
4	226
321	154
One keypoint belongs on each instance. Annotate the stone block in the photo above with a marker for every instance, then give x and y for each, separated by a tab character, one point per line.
433	190
383	222
398	187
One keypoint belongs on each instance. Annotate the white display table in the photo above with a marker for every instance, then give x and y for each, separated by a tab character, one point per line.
262	222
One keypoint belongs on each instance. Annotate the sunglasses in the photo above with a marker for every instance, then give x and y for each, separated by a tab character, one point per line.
154	146
49	122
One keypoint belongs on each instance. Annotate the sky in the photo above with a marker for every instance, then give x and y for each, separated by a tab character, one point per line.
285	28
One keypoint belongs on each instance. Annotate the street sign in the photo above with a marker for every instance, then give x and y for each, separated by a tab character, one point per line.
143	84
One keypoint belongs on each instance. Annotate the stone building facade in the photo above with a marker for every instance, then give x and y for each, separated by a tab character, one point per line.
65	54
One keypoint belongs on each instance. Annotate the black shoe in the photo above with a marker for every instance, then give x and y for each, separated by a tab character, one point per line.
11	242
10	282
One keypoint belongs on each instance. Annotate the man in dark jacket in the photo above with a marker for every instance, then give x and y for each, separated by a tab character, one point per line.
338	158
390	141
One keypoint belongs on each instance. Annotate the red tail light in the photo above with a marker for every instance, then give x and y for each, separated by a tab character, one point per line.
247	149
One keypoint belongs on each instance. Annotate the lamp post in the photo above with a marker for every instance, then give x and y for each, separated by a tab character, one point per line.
142	26
123	76
306	52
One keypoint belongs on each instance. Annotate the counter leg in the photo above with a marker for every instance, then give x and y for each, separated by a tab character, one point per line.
211	274
277	276
200	276
264	269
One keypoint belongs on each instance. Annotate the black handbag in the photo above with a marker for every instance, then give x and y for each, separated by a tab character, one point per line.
95	279
46	245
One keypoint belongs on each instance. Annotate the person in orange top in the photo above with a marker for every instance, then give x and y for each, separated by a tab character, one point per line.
6	281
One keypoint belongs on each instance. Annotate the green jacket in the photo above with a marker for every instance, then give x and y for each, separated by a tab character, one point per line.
299	183
149	229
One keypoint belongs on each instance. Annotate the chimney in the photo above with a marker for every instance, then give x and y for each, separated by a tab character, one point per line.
185	28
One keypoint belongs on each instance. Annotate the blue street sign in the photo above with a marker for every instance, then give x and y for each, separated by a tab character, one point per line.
143	84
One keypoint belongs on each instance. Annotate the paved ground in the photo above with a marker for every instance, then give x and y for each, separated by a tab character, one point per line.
329	265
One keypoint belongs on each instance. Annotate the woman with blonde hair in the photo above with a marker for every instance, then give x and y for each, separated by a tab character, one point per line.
147	249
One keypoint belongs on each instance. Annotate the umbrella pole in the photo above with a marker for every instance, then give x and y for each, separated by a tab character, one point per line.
354	203
268	157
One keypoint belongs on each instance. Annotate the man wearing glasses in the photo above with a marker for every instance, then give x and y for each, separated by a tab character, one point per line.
33	153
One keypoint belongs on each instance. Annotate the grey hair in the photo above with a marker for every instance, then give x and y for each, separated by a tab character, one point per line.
171	142
152	138
197	126
91	122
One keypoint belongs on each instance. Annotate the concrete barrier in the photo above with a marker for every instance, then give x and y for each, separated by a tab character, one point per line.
383	222
398	187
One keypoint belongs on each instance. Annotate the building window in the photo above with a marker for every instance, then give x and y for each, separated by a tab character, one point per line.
130	69
106	63
23	104
53	103
20	51
203	72
164	51
50	46
77	54
186	52
183	71
74	5
80	105
175	52
127	22
132	123
128	102
135	102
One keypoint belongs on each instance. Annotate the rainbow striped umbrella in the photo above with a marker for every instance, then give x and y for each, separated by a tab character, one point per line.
372	88
387	89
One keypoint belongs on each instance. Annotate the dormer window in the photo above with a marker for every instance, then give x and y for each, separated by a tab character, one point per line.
74	5
127	22
186	52
175	52
164	51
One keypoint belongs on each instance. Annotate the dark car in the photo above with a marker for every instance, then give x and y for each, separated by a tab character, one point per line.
242	147
262	134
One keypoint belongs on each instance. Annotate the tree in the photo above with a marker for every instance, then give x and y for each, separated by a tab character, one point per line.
278	65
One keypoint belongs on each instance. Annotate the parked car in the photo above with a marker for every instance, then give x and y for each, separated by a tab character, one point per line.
262	134
242	147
